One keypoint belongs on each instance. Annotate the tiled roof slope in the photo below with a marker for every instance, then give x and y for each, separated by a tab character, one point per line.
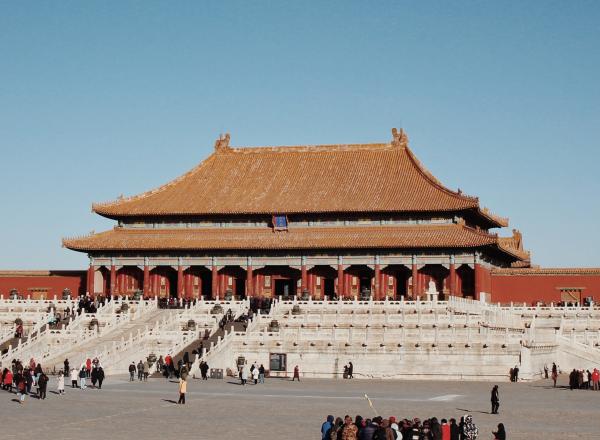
417	236
291	180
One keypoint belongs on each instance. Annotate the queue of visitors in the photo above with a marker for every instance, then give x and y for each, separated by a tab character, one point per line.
394	428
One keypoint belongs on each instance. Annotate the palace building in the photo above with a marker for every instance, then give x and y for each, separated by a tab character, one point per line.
324	221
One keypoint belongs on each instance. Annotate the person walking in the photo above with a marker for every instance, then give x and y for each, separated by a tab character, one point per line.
100	377
82	376
132	371
42	385
66	365
146	369
182	390
495	400
204	370
21	388
94	376
296	373
74	377
350	370
261	374
140	370
244	375
60	383
554	373
7	380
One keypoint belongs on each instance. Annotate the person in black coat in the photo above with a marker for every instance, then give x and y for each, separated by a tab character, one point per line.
454	431
42	385
100	376
495	400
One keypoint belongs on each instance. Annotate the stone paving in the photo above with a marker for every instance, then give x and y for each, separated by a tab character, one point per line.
281	409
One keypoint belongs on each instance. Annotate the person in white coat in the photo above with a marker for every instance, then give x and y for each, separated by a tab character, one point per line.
74	377
60	383
255	375
244	375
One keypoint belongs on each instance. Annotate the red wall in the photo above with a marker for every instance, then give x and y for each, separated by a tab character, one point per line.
54	280
531	288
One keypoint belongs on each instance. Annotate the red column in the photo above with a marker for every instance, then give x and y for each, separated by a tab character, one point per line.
415	280
452	286
478	283
156	284
90	280
113	280
303	278
188	292
223	285
146	285
340	280
215	281
179	281
377	293
249	281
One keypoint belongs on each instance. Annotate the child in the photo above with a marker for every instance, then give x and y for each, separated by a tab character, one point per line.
60	383
21	389
182	390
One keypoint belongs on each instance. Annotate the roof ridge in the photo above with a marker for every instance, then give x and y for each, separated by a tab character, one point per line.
431	178
317	148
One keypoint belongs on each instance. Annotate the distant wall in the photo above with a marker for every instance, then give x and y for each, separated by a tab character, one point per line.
544	285
39	284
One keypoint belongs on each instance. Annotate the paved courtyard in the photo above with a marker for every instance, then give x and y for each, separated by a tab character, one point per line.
281	409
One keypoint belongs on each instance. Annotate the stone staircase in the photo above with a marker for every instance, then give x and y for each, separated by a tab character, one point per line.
93	347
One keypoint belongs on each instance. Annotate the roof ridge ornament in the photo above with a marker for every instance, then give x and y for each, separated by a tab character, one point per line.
399	138
222	143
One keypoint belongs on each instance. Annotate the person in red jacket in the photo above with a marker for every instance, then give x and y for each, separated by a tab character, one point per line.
445	430
296	373
8	380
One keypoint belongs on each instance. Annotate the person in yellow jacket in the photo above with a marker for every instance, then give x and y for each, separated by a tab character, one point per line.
182	390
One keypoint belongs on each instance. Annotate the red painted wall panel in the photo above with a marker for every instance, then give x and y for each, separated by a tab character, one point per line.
55	281
531	288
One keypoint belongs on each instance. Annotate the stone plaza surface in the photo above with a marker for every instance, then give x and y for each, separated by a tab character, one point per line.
281	409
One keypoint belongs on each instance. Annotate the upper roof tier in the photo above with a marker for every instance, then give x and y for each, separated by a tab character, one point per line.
358	178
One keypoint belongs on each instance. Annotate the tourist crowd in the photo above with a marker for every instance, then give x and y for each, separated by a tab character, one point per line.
584	380
23	378
394	428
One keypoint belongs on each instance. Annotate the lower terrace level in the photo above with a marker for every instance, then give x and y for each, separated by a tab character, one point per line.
318	277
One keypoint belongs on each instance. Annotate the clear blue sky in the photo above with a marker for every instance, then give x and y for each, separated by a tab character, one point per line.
501	99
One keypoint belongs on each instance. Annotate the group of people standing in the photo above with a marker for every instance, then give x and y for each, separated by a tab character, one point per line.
379	428
256	372
584	380
90	369
23	378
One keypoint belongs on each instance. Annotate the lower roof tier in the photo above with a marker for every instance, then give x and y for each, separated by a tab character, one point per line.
360	237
